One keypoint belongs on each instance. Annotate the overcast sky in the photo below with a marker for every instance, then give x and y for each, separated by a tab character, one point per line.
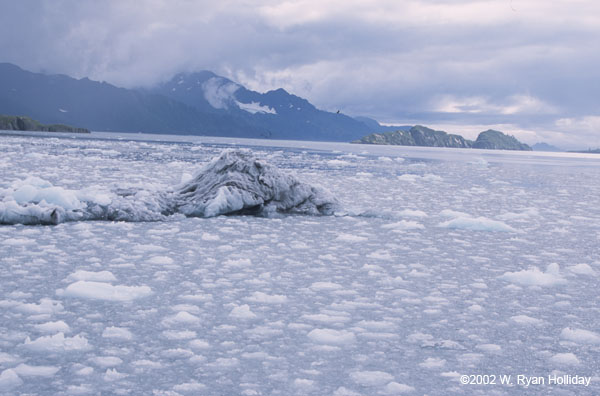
527	67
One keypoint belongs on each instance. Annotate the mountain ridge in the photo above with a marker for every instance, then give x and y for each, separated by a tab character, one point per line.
212	106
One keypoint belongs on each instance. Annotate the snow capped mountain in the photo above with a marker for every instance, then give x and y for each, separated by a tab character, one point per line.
277	113
199	103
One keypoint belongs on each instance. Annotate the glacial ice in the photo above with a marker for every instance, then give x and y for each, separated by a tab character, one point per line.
236	182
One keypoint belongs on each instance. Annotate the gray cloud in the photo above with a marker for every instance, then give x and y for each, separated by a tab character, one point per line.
527	66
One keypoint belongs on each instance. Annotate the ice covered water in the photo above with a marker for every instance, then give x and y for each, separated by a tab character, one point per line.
438	263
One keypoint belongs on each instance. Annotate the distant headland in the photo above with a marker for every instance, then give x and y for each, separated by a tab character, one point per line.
426	137
22	123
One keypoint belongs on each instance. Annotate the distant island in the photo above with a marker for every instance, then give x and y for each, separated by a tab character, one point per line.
542	146
588	151
426	137
22	123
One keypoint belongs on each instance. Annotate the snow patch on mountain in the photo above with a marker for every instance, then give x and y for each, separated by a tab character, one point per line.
255	107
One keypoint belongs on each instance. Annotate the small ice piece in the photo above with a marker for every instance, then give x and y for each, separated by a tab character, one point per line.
113	375
565	359
117	333
179	335
46	306
535	277
242	312
101	276
53	327
25	370
105	291
477	224
408	177
404	225
580	336
182	318
395	388
199	344
325	286
351	238
525	320
9	379
412	213
582	269
106	361
209	237
343	391
189	387
371	378
260	297
160	260
433	363
57	343
332	337
490	348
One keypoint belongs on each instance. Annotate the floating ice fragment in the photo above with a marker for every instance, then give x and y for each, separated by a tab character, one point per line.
25	370
565	359
412	213
535	277
476	224
160	260
242	312
182	318
490	348
432	363
9	379
580	336
189	387
325	286
332	337
106	361
113	375
371	378
343	391
582	269
53	327
403	225
46	306
101	276
526	320
395	388
234	183
260	297
57	343
105	291
350	238
117	332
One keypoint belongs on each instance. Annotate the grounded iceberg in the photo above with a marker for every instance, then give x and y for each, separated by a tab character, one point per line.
234	183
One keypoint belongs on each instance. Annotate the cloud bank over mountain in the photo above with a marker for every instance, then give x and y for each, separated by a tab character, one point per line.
527	67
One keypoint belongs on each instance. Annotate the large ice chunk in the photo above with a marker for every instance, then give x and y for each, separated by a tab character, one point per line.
234	183
238	182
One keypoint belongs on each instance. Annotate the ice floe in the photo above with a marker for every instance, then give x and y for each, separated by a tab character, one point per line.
105	291
580	336
535	277
57	343
236	182
463	221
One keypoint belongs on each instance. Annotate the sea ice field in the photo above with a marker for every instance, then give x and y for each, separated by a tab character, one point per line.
434	264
